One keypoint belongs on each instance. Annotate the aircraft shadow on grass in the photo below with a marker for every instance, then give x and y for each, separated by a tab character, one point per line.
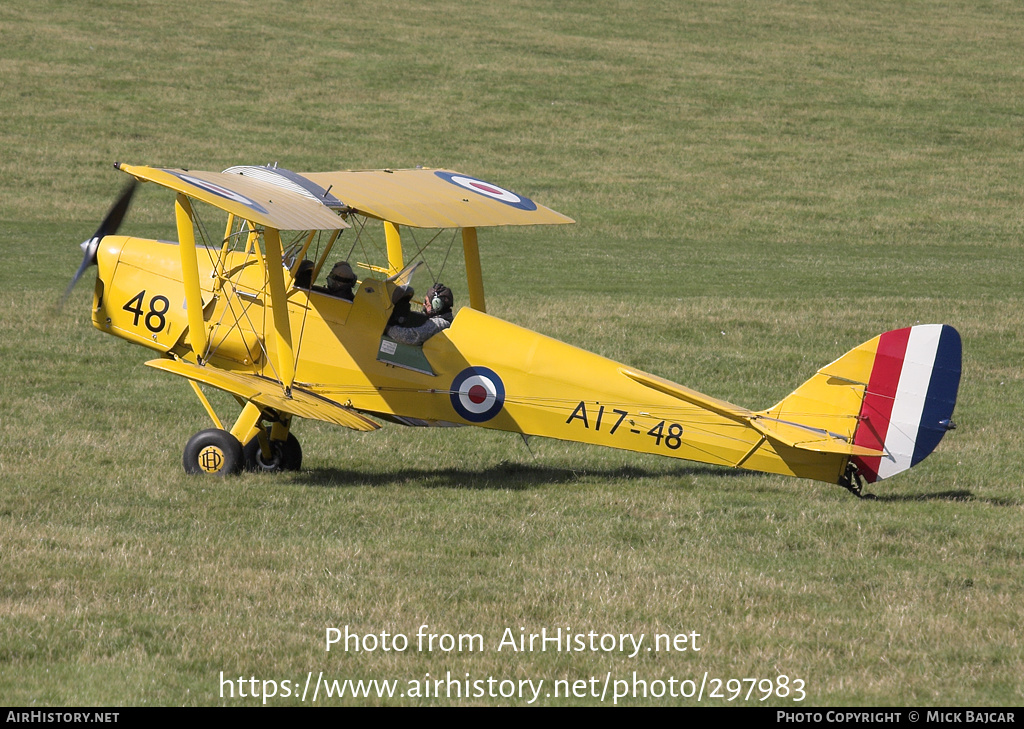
957	495
509	476
504	476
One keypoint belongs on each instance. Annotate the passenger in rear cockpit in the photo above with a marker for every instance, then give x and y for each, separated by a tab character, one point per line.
411	327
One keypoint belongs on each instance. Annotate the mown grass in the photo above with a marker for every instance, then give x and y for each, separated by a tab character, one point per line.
758	188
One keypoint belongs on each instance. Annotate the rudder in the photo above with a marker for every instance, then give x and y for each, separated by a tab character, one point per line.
893	395
909	399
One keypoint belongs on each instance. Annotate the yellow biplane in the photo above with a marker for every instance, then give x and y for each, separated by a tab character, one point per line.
242	312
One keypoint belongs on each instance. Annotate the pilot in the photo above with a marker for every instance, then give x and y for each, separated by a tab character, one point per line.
416	328
340	281
304	275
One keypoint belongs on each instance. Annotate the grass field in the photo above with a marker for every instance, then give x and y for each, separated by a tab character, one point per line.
758	187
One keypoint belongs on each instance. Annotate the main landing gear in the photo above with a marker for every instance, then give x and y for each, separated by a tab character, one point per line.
269	445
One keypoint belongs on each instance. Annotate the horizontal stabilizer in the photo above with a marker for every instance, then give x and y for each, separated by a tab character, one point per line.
267	394
807	438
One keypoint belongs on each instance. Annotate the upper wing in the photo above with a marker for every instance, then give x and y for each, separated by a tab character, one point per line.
420	198
267	394
246	197
426	198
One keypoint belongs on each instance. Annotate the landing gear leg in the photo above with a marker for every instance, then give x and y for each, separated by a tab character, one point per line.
852	481
274	448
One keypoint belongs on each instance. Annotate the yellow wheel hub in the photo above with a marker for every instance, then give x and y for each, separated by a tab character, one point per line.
211	459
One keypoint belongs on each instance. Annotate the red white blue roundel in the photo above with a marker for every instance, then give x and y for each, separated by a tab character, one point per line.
219	190
488	190
477	394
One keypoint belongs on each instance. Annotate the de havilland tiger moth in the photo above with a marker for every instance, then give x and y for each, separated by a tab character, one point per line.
242	312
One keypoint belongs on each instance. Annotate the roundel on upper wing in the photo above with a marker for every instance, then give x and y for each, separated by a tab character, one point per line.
477	394
488	190
220	191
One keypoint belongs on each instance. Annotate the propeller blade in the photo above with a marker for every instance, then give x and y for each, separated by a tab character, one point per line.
113	220
87	260
109	226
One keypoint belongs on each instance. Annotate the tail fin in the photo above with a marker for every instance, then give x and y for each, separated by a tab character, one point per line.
893	395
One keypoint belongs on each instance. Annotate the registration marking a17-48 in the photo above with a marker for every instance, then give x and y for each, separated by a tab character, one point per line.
663	432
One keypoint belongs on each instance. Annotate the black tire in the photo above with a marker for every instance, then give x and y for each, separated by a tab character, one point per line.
213	452
286	455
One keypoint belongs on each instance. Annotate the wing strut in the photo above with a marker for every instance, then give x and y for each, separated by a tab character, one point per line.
393	238
279	303
190	275
474	274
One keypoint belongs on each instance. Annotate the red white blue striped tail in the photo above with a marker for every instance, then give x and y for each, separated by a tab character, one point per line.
908	404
